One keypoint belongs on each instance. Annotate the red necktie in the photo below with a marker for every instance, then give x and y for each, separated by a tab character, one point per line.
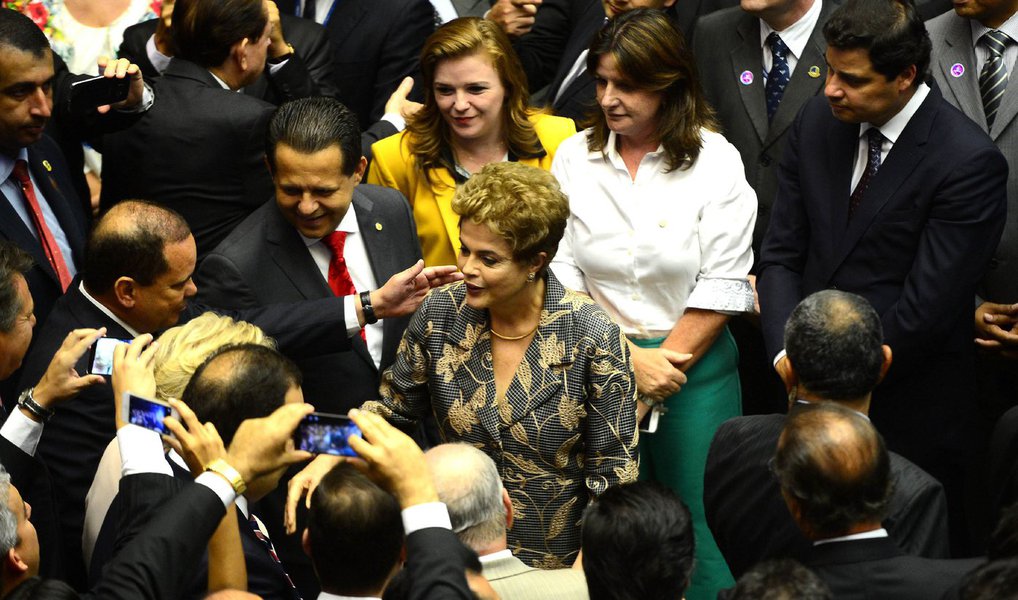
339	275
46	239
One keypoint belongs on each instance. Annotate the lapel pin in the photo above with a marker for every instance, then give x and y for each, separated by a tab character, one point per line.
746	77
814	72
957	70
378	226
48	166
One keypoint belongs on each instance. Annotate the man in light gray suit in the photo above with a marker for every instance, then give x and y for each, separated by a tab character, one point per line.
735	60
468	483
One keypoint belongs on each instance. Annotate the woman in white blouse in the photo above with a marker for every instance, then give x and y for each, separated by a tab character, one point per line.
659	234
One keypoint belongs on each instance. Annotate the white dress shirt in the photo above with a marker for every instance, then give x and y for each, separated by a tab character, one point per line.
795	36
866	535
891	130
359	265
1010	27
647	249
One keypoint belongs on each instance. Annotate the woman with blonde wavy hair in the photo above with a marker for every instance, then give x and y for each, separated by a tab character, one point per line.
475	113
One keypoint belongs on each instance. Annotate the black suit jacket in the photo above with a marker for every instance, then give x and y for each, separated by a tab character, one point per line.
74	439
375	44
265	261
199	150
727	44
309	73
33	480
876	569
751	523
915	249
436	565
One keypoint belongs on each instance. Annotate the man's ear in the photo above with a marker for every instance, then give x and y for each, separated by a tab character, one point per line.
887	362
305	543
14	563
239	53
360	170
508	504
125	289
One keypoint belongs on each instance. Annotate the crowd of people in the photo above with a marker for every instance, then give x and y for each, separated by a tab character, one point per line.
633	299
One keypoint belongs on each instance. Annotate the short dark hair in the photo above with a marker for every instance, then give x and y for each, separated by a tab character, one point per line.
891	31
239	382
129	241
355	532
21	33
995	580
780	579
13	260
834	464
1004	539
637	543
311	125
834	341
204	30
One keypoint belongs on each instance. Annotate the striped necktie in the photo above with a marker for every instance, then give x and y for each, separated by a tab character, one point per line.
993	78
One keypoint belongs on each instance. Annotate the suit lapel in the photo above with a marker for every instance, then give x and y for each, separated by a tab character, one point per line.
444	202
383	263
346	15
472	368
73	228
593	17
965	89
15	230
803	85
288	251
844	142
745	57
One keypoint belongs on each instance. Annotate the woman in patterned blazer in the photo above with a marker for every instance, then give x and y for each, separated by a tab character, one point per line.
533	374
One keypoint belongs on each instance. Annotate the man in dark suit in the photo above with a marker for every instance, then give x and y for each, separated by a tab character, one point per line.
834	354
283	251
375	44
147	44
137	279
834	473
900	198
756	93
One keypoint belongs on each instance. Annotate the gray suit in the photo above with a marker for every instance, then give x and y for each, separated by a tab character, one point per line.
513	580
952	45
727	46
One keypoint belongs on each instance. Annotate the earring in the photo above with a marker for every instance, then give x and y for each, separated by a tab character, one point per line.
531	277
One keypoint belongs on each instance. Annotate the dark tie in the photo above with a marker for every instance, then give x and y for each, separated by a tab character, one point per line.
46	238
777	78
340	281
993	78
876	140
264	539
309	9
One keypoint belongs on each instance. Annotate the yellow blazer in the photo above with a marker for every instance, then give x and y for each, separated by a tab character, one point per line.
437	225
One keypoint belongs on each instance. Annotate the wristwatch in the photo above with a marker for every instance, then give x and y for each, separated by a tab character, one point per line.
27	402
282	57
221	467
369	312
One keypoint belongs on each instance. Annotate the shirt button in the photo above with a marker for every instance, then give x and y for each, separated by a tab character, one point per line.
636	296
662	224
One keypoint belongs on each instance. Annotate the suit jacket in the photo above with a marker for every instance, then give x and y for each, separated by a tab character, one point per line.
33	480
436	565
431	193
74	439
952	45
749	519
875	569
309	73
265	261
375	44
199	150
563	433
916	248
726	45
55	183
513	579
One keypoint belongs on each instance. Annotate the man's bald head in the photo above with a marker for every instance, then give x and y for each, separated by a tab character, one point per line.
467	481
129	241
832	464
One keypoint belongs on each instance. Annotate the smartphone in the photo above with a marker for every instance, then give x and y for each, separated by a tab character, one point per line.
324	433
147	412
100	357
649	422
99	90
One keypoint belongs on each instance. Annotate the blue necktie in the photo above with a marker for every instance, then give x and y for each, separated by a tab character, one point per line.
777	78
876	143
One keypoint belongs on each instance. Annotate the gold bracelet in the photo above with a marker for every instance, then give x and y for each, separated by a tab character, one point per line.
223	468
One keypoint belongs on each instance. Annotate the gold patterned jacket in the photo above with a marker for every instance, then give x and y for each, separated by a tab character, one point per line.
566	429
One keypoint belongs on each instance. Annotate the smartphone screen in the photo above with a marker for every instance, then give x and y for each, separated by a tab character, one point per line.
323	433
147	413
99	90
100	361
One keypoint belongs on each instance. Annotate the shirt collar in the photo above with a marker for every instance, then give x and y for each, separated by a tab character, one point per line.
220	81
328	596
612	152
106	311
896	124
348	224
866	535
796	35
7	163
488	558
1010	27
800	401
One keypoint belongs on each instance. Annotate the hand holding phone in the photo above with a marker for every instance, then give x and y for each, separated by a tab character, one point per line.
147	412
324	433
99	91
100	357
